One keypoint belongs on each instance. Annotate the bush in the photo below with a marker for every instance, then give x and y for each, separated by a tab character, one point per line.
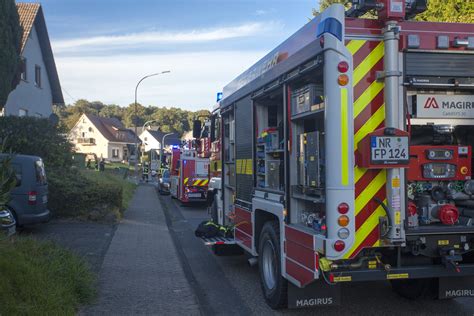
38	137
75	193
40	278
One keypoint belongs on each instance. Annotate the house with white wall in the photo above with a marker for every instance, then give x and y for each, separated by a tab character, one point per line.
39	87
103	137
151	139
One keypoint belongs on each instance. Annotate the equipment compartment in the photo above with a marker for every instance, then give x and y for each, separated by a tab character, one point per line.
440	188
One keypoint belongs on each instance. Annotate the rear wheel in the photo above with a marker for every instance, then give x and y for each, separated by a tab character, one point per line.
274	286
18	226
415	288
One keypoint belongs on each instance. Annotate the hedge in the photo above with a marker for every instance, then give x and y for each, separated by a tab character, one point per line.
74	194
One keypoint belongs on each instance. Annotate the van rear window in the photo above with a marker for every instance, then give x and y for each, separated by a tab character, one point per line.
40	173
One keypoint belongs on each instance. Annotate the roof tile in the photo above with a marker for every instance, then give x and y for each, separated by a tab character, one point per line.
27	13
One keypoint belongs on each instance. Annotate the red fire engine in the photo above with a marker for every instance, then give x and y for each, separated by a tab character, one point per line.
189	174
345	155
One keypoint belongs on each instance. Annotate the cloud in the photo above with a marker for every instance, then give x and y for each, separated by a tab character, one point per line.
194	80
109	42
262	12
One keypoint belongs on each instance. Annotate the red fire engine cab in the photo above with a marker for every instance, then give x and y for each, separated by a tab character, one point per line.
189	175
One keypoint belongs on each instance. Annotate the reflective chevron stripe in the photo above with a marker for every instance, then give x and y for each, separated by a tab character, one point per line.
369	115
200	182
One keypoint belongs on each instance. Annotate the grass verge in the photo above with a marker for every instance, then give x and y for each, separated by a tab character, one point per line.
41	278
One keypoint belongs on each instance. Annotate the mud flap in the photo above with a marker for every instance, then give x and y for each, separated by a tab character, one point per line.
456	287
318	293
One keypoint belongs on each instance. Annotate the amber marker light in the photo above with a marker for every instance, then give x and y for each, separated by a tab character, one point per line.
343	220
343	80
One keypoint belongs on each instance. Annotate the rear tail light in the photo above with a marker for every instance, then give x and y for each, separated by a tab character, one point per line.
343	208
32	197
343	220
343	80
343	67
339	245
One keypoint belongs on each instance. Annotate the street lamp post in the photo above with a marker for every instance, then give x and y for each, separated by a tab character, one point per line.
135	114
161	148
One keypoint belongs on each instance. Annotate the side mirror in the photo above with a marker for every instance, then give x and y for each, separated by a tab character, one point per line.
196	128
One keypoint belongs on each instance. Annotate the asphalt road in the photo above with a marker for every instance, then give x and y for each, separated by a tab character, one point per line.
227	285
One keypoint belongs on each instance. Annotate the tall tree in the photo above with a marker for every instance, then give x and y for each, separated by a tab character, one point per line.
438	10
10	36
112	110
448	11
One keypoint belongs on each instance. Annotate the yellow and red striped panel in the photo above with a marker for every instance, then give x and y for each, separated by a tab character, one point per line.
369	115
196	182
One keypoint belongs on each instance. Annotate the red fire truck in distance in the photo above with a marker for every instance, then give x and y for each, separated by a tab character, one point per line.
189	174
345	155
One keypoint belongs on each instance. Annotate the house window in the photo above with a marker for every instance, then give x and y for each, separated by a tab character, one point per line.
23	112
83	135
115	153
38	76
23	69
91	130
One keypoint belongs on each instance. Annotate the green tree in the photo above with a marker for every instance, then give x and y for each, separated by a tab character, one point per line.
437	11
461	11
174	120
49	142
132	118
10	36
112	110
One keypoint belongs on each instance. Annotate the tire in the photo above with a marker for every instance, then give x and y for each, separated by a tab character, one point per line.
213	211
17	223
274	286
413	289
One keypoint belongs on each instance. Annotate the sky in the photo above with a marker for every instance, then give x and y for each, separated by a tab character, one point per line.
103	48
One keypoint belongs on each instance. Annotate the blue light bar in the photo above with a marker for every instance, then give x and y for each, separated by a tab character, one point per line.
331	26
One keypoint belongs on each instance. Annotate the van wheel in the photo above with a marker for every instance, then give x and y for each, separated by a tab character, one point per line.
18	226
415	288
274	286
